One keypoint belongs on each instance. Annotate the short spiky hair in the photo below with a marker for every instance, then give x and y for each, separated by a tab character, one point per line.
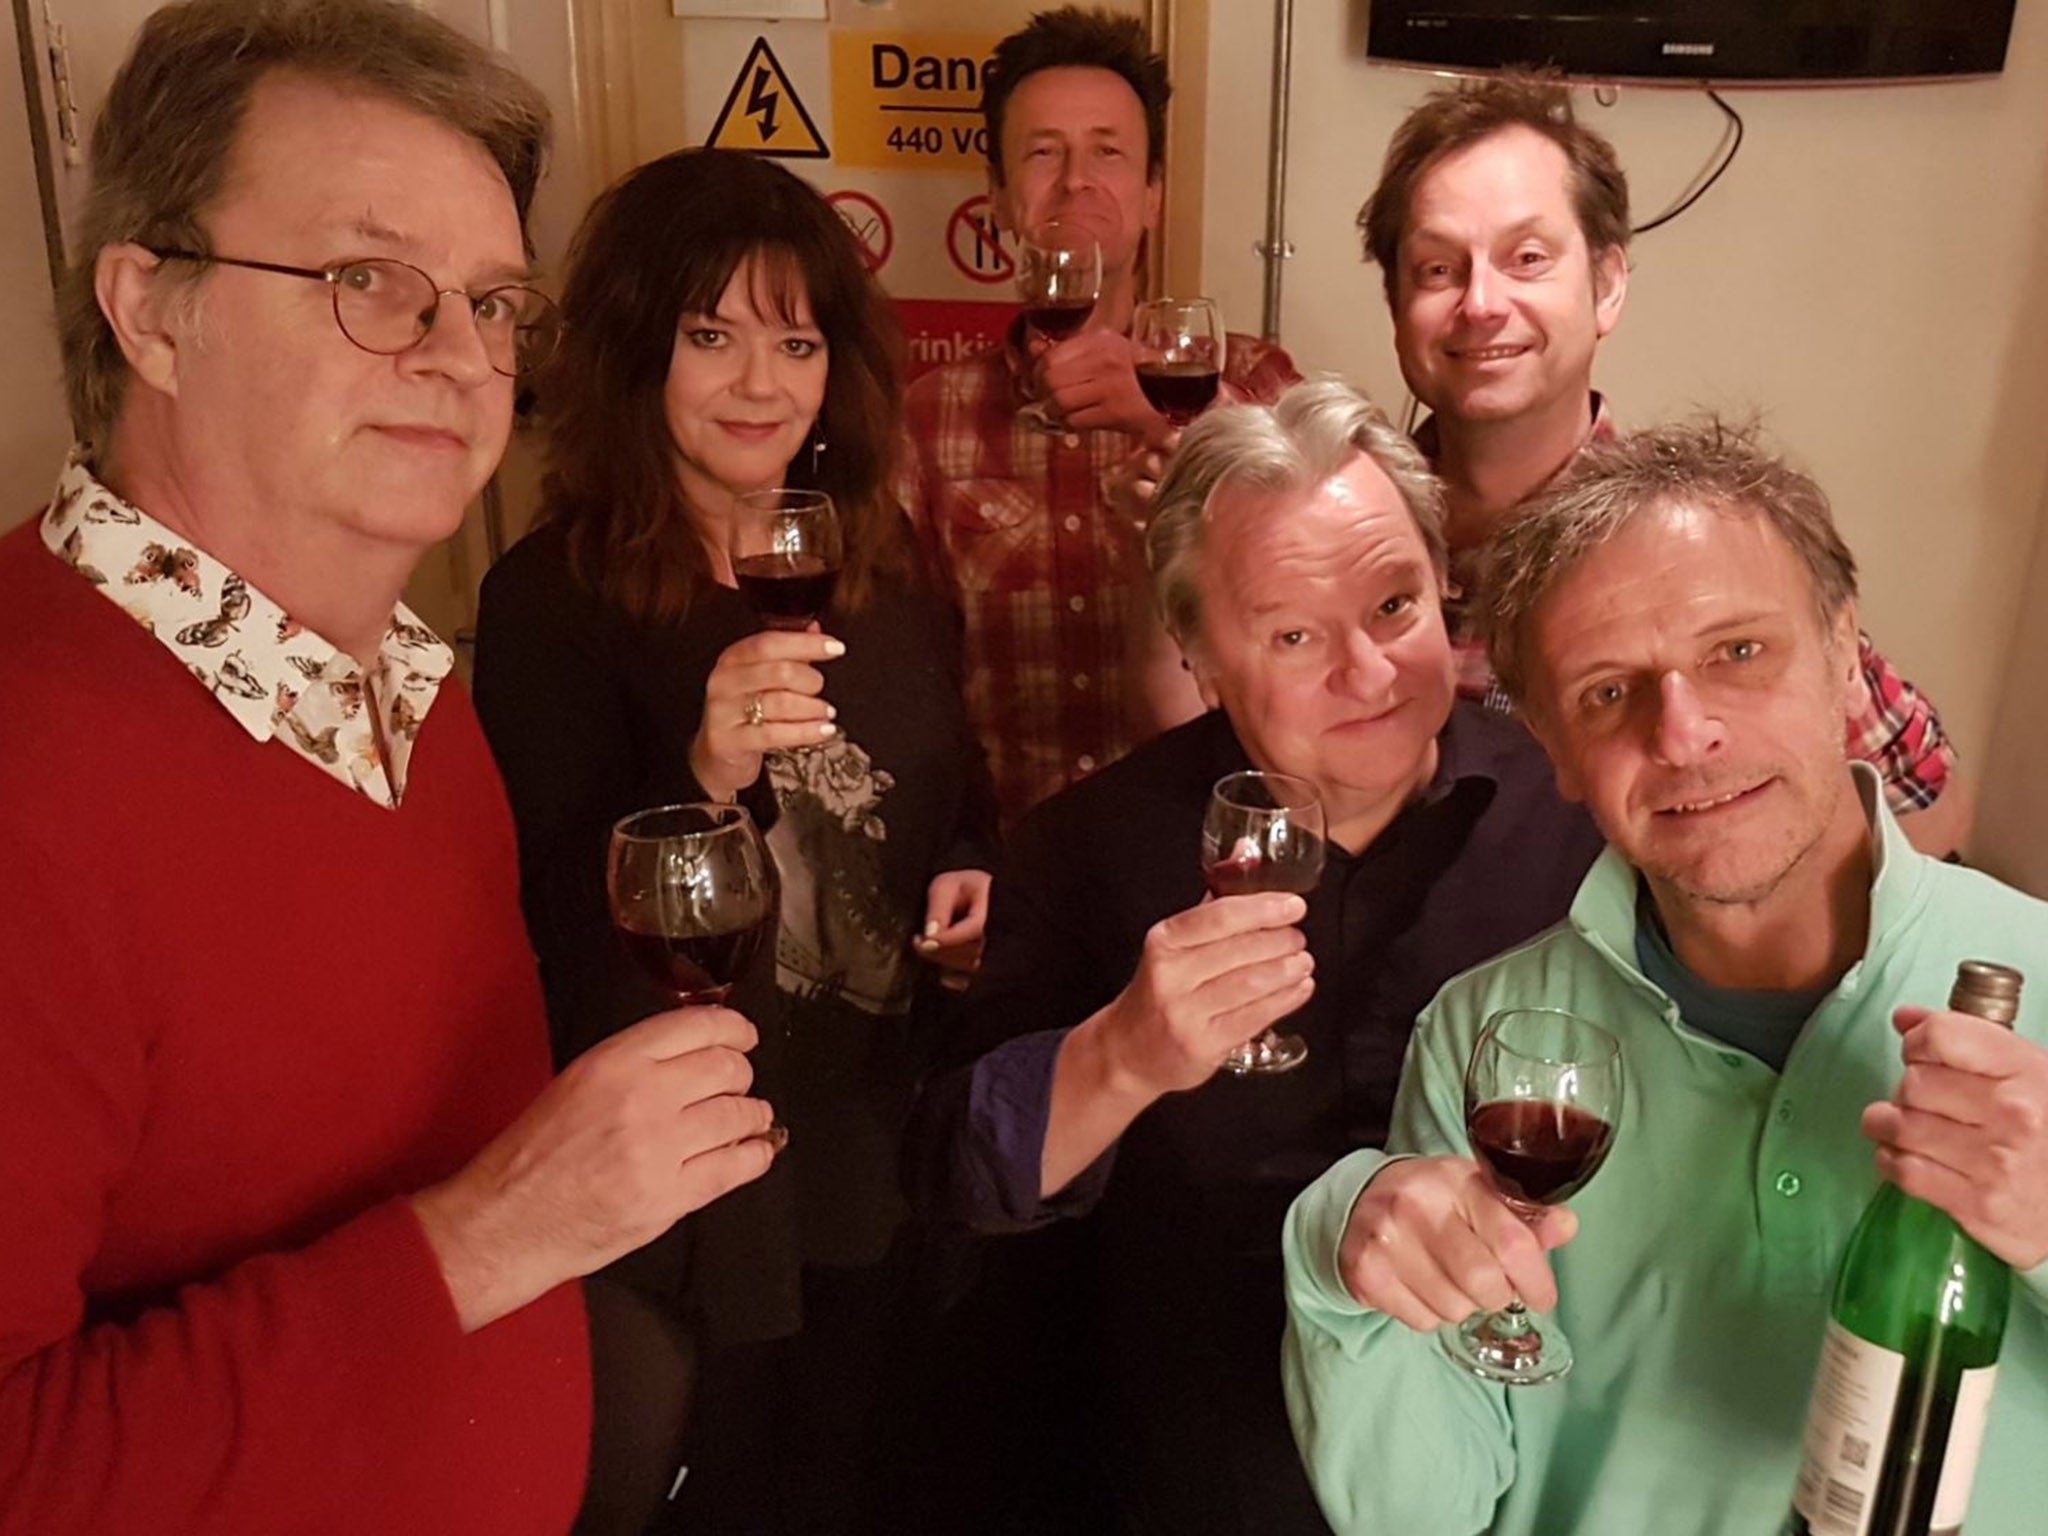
1451	120
1073	38
1706	463
166	133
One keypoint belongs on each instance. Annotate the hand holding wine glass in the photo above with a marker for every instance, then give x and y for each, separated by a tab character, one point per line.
1428	1242
1179	348
1543	1095
651	1123
645	1127
765	694
1207	980
1059	278
694	897
1263	832
786	549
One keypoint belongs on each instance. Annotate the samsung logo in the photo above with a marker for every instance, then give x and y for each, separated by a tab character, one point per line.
1690	50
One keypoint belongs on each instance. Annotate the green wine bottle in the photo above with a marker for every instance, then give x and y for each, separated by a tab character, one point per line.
1906	1371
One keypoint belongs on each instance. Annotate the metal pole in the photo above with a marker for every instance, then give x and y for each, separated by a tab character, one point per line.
40	146
1275	247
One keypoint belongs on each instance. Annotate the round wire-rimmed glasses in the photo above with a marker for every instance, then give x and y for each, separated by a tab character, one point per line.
387	306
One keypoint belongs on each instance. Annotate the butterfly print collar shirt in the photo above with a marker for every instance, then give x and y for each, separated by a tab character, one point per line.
279	679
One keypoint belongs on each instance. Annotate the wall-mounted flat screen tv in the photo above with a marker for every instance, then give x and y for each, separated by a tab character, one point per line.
1721	40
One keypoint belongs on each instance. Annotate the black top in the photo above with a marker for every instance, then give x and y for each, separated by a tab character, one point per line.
591	714
1188	1207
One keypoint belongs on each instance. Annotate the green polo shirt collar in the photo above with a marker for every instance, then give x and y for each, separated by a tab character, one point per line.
1604	911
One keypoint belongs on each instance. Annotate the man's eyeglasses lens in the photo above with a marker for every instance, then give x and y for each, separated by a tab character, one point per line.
388	307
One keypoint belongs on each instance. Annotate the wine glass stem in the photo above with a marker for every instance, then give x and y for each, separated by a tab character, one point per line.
1511	1321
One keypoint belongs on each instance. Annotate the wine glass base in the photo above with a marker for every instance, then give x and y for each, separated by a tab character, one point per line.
1265	1054
1529	1358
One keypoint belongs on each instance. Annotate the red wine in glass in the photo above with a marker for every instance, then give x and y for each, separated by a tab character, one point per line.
1245	872
787	591
1543	1094
1058	268
1179	391
1263	832
786	548
693	894
699	967
1537	1151
1178	345
1057	321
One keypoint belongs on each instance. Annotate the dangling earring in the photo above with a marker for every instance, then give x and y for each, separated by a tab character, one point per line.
818	447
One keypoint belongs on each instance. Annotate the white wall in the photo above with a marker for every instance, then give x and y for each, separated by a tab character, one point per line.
539	40
33	429
2012	840
1868	274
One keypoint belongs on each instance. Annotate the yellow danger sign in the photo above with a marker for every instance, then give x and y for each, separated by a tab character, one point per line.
906	101
762	112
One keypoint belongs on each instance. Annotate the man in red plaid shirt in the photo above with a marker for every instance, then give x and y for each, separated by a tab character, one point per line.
1067	667
1501	227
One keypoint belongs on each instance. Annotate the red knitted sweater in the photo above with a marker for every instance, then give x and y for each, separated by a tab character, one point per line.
243	1012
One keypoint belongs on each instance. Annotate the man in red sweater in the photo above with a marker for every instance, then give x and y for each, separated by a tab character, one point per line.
292	1207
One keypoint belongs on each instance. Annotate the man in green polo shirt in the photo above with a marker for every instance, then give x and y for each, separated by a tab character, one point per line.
1677	622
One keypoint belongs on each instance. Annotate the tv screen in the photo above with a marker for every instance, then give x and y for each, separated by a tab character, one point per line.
1700	39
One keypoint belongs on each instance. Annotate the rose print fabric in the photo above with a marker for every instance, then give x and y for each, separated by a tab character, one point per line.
840	936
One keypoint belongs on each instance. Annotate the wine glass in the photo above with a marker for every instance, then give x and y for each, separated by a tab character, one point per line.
1059	277
786	551
693	894
1543	1095
1178	344
1263	832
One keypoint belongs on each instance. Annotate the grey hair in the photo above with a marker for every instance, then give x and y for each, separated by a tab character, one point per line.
1313	431
172	117
1707	463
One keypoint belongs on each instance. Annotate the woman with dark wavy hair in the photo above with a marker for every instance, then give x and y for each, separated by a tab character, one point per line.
723	337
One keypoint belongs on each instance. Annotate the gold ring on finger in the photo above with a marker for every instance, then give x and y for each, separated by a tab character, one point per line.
756	714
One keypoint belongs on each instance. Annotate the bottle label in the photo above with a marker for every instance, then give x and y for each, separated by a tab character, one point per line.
1965	1440
1846	1428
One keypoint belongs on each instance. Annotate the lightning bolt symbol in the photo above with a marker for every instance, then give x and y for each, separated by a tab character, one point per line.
762	100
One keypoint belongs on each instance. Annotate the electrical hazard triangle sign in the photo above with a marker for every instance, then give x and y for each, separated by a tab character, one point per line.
762	112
